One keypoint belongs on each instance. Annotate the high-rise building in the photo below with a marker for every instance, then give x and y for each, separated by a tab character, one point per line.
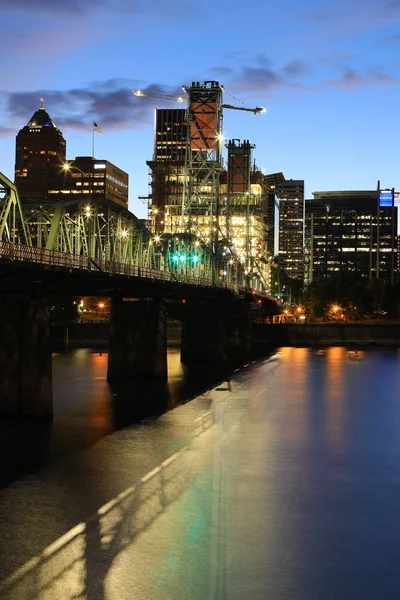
351	231
269	183
167	169
40	153
170	132
291	226
91	180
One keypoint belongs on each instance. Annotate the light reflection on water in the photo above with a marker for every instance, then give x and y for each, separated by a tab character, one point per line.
87	408
308	477
322	389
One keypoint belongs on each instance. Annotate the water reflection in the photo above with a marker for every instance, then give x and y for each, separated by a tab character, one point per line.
87	408
335	405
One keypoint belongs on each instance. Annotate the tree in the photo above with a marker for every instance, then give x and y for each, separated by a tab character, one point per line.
360	300
319	296
284	285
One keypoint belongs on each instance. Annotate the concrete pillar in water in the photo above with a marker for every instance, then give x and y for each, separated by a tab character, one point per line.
237	334
203	337
216	336
25	357
138	340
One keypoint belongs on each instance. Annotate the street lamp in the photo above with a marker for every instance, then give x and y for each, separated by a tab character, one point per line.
69	168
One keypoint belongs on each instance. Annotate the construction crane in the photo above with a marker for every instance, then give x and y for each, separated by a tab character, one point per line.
201	206
139	93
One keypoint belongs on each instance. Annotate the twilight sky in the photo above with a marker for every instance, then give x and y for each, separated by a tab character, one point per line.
327	72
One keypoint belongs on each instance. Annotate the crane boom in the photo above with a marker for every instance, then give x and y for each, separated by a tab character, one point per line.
138	93
141	94
256	110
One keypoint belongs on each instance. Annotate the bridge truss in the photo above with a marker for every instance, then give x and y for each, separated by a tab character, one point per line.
13	226
104	237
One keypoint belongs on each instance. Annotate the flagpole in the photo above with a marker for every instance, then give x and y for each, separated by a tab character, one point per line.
93	142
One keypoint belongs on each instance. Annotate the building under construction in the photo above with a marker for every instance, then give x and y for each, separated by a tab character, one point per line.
167	169
193	193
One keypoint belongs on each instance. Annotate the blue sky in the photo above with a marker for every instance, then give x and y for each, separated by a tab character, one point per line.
327	72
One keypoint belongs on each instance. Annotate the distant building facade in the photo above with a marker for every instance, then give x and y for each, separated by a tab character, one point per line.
41	174
291	226
92	180
39	155
351	231
269	183
167	168
170	134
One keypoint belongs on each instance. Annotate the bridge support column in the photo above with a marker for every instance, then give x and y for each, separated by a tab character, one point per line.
25	357
203	337
138	340
215	337
237	338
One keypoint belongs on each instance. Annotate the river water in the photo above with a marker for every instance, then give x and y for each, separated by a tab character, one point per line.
282	482
87	408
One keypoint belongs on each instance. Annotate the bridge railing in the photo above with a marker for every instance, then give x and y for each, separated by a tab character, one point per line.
54	258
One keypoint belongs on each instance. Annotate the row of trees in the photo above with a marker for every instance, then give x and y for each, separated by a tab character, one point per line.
353	297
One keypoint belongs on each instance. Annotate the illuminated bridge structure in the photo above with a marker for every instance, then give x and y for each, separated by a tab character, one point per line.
104	250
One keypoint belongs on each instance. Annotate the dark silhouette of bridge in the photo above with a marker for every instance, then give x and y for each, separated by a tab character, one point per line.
80	249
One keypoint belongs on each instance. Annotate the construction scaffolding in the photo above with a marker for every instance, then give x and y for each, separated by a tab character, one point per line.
192	192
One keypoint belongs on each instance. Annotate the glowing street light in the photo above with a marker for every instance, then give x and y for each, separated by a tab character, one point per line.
69	168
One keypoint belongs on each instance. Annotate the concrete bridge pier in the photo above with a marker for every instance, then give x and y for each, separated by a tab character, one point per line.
216	336
137	340
238	334
25	357
203	337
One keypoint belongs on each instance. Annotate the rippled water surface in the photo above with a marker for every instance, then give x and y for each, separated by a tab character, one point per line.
282	482
87	408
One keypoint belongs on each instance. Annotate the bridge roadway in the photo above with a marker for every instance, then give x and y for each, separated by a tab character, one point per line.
24	268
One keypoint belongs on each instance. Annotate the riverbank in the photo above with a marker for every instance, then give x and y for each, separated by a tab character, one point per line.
328	334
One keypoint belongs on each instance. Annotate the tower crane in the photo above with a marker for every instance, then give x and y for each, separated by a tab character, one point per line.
140	94
201	206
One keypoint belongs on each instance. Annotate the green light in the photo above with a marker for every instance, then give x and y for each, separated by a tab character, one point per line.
182	258
195	258
175	258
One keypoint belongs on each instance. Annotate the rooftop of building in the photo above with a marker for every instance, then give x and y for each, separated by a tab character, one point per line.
345	194
41	119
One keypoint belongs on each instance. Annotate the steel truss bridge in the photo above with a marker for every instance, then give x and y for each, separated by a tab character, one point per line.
108	239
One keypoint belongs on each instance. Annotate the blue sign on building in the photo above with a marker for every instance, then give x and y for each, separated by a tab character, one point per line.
386	198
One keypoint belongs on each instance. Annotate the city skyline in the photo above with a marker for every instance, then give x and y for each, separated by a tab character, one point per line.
327	76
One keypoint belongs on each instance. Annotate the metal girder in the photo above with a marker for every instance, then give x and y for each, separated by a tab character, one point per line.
108	234
102	233
12	223
203	163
